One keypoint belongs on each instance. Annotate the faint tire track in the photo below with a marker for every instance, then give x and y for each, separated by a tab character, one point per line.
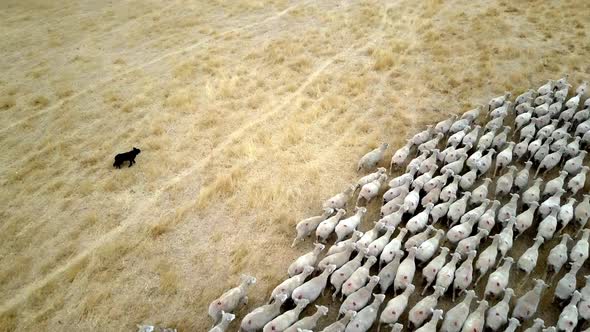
61	102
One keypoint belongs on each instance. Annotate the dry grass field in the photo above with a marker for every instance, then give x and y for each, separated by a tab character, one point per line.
248	113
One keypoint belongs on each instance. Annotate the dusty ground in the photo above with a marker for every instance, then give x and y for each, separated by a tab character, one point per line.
248	114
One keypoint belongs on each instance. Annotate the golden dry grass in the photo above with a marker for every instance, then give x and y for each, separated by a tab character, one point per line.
248	113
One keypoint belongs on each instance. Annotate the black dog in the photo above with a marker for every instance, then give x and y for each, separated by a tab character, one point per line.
127	156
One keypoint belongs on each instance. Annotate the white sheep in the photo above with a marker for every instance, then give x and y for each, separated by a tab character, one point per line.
473	114
457	137
287	319
533	193
366	317
326	227
504	183
471	138
312	289
502	110
497	315
422	136
340	258
568	319
498	280
390	250
487	258
307	226
500	139
549	160
471	243
550	203
308	259
345	271
371	189
396	307
554	185
485	141
521	148
339	201
387	273
509	209
574	165
359	277
528	260
582	212
479	194
431	325
230	300
376	247
457	209
400	156
498	101
538	324
578	181
286	287
526	305
566	213
349	225
525	219
359	299
309	323
423	309
513	324
548	225
342	245
579	252
558	256
372	158
464	274
370	177
445	125
440	210
430	271
456	316
476	320
522	178
257	318
418	222
340	325
567	284
450	189
416	240
427	249
504	158
405	272
226	319
445	276
485	162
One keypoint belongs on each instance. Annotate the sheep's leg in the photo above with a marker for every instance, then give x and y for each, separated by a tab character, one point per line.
427	286
335	293
453	296
479	278
537	172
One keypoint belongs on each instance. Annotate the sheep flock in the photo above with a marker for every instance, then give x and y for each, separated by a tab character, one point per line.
456	198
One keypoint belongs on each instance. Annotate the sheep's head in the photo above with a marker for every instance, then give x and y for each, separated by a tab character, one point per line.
227	317
322	310
248	280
